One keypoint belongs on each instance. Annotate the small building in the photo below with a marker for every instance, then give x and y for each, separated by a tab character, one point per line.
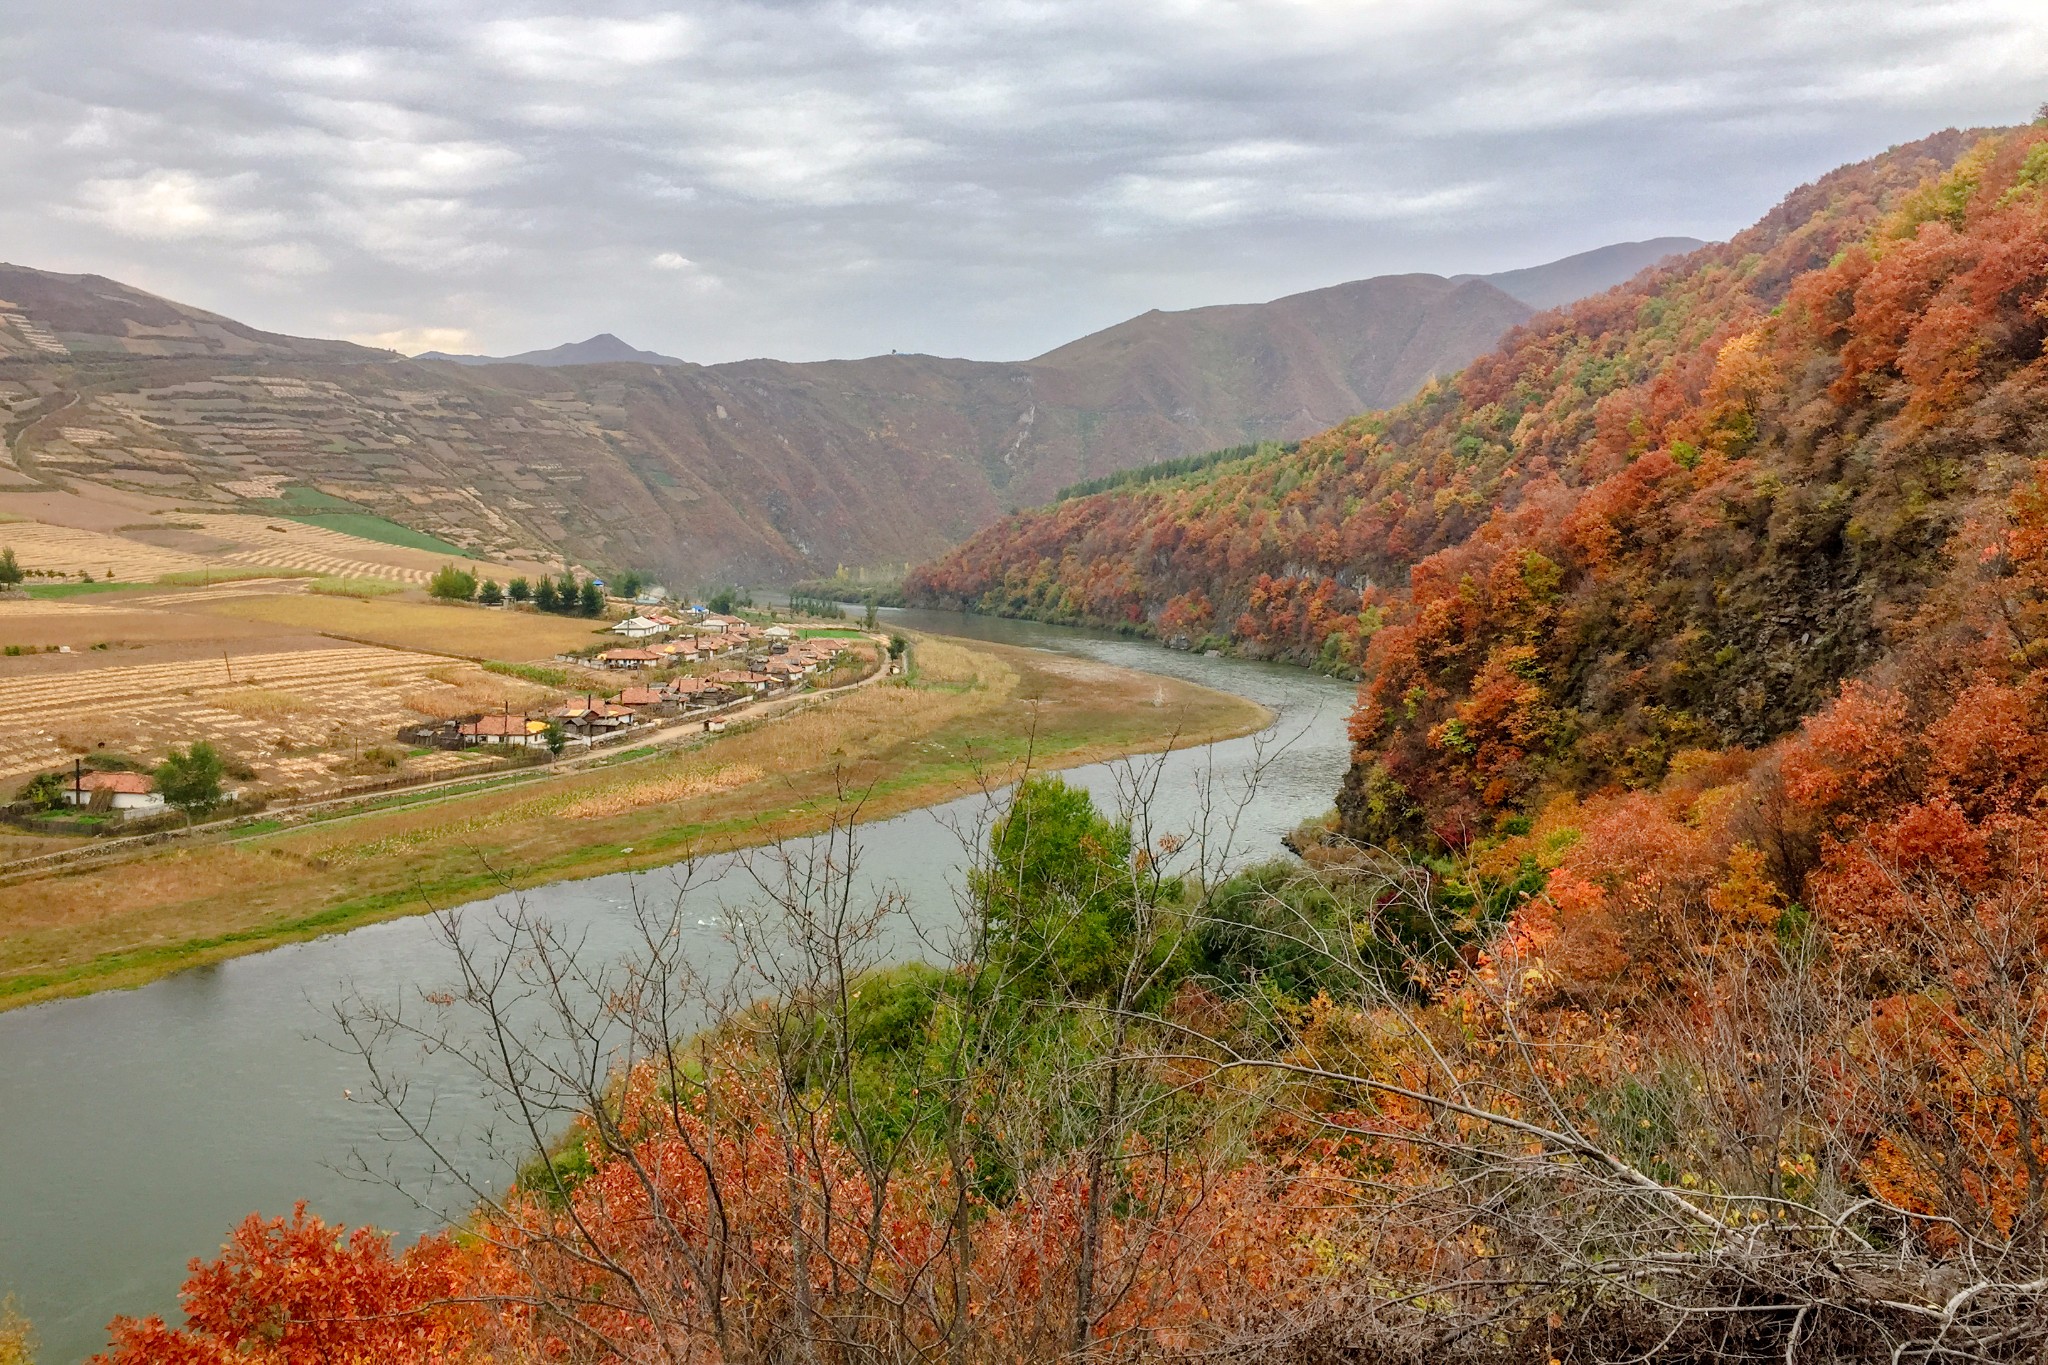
629	658
125	793
646	699
698	692
741	680
639	627
590	717
779	633
520	732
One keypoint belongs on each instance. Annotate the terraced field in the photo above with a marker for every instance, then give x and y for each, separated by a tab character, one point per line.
208	542
322	550
68	550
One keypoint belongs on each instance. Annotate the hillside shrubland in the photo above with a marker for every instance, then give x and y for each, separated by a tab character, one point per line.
1367	1109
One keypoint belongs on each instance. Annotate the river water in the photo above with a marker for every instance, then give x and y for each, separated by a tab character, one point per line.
137	1127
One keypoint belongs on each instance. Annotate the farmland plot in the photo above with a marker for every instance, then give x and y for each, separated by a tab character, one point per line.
289	715
319	549
473	632
204	542
68	550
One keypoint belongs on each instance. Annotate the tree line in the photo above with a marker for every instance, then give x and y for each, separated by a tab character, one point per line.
567	596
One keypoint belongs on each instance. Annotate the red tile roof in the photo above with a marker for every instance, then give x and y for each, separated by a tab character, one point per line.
501	725
640	696
126	784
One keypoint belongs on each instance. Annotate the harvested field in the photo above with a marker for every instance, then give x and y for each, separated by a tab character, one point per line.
130	621
143	551
161	621
465	691
288	715
260	703
324	550
470	632
65	549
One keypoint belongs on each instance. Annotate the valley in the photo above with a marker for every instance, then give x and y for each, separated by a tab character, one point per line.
1572	889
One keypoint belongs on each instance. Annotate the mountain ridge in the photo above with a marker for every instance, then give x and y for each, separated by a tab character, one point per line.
602	349
1571	278
754	470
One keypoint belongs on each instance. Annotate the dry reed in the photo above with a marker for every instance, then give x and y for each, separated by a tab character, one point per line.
260	703
660	791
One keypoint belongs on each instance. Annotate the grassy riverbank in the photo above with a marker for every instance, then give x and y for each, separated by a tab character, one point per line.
972	713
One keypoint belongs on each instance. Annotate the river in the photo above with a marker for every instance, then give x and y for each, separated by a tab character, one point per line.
137	1127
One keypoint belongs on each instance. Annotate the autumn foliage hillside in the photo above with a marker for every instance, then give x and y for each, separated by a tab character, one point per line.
1301	555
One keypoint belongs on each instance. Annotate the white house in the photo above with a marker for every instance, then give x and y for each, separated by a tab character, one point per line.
639	627
128	793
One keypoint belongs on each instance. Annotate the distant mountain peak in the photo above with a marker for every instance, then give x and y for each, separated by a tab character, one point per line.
602	349
1557	283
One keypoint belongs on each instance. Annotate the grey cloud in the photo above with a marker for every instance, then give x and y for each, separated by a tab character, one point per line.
806	178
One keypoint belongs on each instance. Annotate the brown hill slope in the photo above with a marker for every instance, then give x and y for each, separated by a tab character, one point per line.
45	316
1178	383
1566	281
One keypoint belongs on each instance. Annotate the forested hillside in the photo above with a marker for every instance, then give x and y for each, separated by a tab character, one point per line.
1305	553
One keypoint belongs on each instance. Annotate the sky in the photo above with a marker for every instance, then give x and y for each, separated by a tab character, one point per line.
805	180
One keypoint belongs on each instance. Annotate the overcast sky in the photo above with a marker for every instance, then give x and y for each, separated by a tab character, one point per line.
720	180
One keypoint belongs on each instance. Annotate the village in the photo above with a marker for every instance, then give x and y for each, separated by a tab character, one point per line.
696	665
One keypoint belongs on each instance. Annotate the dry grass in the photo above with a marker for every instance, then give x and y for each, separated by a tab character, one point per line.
354	587
260	703
471	632
966	718
660	791
465	691
213	577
